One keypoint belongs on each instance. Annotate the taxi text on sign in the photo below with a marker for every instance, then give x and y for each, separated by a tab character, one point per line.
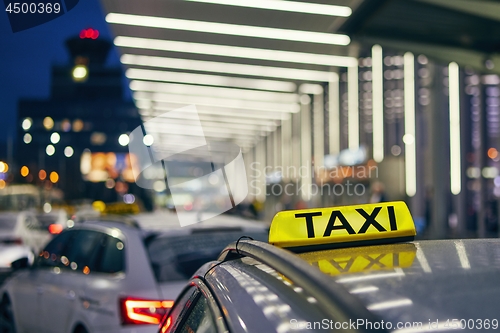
345	224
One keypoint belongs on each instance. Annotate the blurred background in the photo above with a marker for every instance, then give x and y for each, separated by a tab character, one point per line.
332	102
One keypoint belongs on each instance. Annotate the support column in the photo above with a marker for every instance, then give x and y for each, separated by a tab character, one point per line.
333	114
286	146
439	136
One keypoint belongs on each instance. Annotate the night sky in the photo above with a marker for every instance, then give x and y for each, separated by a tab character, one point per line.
27	56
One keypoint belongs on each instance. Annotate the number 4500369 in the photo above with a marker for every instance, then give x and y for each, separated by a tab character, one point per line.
472	324
33	8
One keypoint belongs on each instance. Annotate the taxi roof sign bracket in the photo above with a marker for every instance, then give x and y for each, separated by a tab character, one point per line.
325	228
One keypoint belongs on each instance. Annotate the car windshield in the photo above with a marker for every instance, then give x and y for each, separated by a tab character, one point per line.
7	222
47	219
176	258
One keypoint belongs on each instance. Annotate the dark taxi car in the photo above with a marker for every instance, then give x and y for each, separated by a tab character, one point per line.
346	269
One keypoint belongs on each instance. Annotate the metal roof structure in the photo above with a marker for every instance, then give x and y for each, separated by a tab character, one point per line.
245	63
241	63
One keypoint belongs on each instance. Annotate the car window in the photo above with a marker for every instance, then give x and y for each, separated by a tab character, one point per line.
200	319
47	219
51	255
112	255
82	251
181	306
8	222
175	258
32	223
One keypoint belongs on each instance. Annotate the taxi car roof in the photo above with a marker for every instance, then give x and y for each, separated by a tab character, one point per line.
414	281
446	279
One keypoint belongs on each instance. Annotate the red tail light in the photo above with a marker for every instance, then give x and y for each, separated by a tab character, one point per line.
55	229
17	241
140	311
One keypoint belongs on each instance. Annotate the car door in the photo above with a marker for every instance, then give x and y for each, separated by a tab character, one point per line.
28	288
105	282
65	291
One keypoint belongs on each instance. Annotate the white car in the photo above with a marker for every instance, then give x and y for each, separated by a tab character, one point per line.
21	234
113	277
13	256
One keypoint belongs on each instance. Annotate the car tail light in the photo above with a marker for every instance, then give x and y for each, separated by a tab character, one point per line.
17	241
141	311
55	229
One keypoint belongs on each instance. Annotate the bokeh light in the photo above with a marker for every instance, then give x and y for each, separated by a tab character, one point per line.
54	177
25	171
48	123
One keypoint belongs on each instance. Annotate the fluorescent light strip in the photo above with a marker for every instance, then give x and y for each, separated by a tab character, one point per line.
309	88
180	156
455	146
160	129
228	29
235	51
353	107
217	102
225	68
378	103
210	80
409	113
462	254
363	290
390	304
397	273
260	161
185	89
306	155
318	131
186	126
333	114
146	113
186	139
206	124
287	6
180	129
229	112
276	149
286	145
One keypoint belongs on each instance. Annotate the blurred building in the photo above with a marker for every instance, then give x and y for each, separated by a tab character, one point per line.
76	140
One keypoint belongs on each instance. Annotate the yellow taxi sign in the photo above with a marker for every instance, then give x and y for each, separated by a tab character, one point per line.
342	226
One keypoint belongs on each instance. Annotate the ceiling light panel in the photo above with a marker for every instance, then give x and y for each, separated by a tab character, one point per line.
185	89
228	29
205	124
211	80
234	51
217	102
287	6
227	68
223	119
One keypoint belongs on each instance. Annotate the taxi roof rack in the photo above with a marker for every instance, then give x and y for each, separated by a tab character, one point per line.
334	298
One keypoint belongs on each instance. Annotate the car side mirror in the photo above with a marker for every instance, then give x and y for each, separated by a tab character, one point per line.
20	264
